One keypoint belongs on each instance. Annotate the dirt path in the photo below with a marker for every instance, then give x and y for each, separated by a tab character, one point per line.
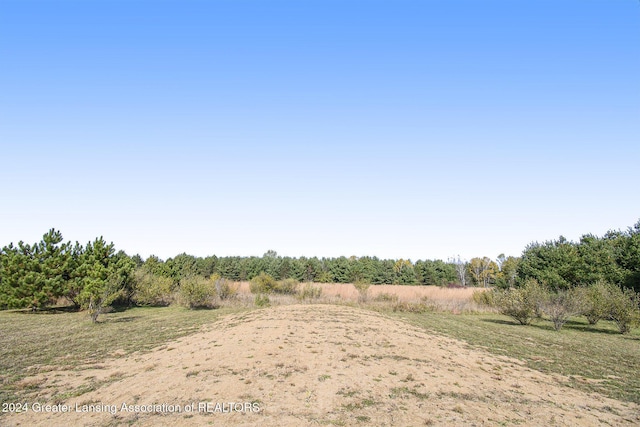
318	365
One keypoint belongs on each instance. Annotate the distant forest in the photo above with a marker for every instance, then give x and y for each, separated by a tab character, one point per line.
40	274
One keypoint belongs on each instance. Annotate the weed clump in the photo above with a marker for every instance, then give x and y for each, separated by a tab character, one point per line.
309	292
413	307
386	297
223	287
286	287
262	300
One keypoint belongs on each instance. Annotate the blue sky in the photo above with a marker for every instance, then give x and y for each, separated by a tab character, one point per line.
400	129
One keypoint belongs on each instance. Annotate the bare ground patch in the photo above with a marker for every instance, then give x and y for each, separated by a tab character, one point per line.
317	365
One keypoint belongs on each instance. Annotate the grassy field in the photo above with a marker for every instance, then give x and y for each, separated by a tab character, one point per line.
30	343
595	358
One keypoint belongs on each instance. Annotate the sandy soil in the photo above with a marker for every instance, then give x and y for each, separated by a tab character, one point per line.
317	365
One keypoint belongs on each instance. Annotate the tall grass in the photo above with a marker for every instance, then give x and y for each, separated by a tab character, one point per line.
456	300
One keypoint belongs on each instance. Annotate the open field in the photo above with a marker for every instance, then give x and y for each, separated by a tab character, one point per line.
592	358
456	300
56	339
318	364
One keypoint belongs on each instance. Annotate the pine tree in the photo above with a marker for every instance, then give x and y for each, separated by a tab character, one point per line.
106	277
34	275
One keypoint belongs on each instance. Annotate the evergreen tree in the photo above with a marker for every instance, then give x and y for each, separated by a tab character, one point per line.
34	276
106	276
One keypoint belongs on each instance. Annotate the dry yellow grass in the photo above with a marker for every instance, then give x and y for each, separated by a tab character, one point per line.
456	300
434	293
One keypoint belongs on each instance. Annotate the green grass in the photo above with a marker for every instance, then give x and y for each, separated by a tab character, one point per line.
579	350
67	339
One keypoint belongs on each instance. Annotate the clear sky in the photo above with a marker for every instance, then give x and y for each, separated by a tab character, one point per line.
400	129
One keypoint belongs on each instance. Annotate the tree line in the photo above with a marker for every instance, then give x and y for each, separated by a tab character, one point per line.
562	264
322	270
94	276
371	270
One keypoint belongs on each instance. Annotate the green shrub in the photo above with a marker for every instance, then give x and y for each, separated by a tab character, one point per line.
262	300
309	291
522	304
150	289
536	293
262	284
286	286
624	308
484	298
97	296
197	292
604	300
595	299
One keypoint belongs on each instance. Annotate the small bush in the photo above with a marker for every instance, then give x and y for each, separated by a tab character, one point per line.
413	307
484	298
536	294
287	287
150	289
224	290
262	284
363	291
197	292
97	299
513	303
522	304
262	300
596	302
309	291
624	308
560	306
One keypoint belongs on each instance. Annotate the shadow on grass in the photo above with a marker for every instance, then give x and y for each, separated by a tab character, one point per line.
582	327
119	308
534	324
573	325
49	310
205	308
502	322
126	319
